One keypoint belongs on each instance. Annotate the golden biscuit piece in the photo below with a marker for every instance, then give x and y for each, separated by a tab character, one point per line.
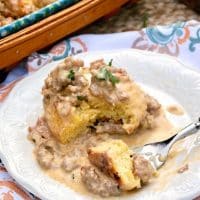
100	96
114	158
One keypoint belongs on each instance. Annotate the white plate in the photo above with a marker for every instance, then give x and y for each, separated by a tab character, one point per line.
164	77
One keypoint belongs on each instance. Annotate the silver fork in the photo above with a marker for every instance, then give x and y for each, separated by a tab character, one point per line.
157	152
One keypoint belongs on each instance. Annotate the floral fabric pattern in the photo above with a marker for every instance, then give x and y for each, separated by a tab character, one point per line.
167	39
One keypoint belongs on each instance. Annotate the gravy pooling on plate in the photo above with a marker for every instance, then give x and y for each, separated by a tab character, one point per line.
175	110
90	116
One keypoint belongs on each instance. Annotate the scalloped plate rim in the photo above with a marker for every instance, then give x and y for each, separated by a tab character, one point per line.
12	171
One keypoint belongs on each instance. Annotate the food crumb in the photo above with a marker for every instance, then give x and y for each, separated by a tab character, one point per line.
73	177
183	169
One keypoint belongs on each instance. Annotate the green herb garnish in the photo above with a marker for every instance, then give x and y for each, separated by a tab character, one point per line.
110	62
106	75
82	98
71	75
113	79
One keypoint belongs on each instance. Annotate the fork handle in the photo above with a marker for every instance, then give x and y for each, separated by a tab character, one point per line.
187	131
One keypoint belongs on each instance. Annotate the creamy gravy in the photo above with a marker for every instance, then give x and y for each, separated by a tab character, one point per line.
73	181
175	110
169	170
163	130
178	158
64	162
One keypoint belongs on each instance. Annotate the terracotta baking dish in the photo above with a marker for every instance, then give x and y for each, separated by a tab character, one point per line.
17	46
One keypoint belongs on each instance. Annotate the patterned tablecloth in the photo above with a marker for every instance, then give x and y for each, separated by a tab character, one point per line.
181	40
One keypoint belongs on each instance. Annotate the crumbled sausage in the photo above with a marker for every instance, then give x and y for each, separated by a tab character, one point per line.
70	163
63	85
48	154
35	137
148	122
107	91
44	157
106	86
153	106
142	168
99	183
63	108
153	109
81	81
39	133
122	96
97	64
74	88
108	127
